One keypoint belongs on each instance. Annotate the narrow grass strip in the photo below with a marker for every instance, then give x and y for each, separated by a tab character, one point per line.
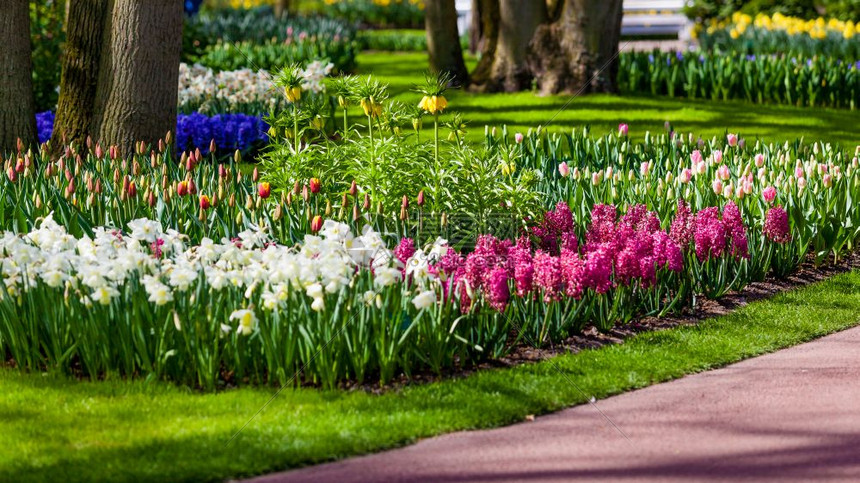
55	428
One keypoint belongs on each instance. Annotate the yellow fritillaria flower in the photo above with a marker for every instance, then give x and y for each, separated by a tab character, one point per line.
293	94
433	104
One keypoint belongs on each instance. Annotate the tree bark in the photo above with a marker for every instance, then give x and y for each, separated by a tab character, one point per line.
281	7
485	25
17	105
139	73
81	61
443	40
517	23
578	51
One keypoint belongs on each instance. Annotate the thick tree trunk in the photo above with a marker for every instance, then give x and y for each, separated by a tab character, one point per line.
443	40
17	105
282	7
578	51
80	75
139	74
485	25
517	22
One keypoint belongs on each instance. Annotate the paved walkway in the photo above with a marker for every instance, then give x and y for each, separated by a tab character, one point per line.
789	416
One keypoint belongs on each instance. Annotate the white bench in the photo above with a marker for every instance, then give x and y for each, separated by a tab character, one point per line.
655	17
641	17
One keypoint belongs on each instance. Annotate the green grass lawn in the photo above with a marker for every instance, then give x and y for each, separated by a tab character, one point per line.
603	113
53	428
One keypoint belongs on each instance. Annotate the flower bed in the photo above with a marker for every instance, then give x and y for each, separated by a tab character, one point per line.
816	81
641	229
229	131
779	34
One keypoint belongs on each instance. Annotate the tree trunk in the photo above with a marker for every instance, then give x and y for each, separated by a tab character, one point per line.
17	105
443	40
577	52
80	74
281	7
139	73
517	22
485	24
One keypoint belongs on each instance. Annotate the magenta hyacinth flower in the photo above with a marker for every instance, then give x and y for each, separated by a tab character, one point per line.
598	269
572	273
683	225
496	289
404	250
735	230
776	227
547	275
710	234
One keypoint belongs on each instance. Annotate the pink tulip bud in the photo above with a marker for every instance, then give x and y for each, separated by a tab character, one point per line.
19	166
724	173
747	186
11	174
113	151
595	179
405	203
732	139
622	129
769	194
255	175
759	160
801	183
420	200
518	137
563	169
222	171
717	186
99	151
718	156
212	146
686	175
827	179
696	157
798	172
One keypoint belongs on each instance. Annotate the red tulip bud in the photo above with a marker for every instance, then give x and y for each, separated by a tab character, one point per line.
222	171
420	201
264	190
132	190
192	188
197	155
113	151
205	203
98	188
182	188
11	174
405	203
19	166
212	146
316	224
151	198
315	185
99	151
